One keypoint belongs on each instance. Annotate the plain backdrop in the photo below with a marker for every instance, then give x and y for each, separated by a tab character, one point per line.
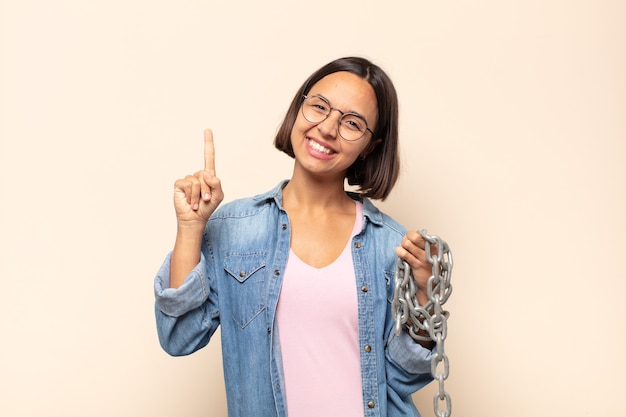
513	138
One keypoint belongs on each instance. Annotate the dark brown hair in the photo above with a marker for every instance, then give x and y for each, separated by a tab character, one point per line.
376	174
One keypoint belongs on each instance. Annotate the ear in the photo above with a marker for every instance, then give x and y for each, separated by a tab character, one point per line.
370	147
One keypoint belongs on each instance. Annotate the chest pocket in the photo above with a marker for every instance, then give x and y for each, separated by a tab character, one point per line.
247	287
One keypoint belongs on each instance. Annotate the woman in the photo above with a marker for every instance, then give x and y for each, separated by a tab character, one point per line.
301	278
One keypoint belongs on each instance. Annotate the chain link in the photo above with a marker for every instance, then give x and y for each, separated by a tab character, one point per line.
430	318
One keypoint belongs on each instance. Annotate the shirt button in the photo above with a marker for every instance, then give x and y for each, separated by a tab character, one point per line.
242	274
368	348
284	226
371	404
364	288
357	244
276	272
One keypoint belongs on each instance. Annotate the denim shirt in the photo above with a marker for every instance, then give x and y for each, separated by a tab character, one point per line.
236	285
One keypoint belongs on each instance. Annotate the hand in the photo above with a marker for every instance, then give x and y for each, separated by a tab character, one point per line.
412	251
197	196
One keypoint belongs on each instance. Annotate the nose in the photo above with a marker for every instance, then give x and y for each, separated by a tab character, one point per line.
330	125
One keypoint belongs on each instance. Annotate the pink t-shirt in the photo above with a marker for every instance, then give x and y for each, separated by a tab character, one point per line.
319	336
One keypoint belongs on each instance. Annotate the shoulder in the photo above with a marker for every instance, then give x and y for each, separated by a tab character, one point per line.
382	222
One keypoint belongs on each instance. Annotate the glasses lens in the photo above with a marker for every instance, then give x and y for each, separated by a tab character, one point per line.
352	127
314	109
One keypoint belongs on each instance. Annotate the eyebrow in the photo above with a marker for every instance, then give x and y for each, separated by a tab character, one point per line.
356	113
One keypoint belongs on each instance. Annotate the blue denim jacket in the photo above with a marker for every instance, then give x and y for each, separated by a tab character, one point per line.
236	286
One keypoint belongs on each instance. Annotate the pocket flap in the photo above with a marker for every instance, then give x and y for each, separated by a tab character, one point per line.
243	265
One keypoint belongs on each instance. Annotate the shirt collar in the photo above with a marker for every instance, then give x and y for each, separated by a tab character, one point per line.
370	211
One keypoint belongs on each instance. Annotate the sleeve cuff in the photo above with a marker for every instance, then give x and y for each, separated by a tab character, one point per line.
190	295
411	356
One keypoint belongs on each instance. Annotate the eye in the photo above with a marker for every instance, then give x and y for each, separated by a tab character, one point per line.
318	105
353	122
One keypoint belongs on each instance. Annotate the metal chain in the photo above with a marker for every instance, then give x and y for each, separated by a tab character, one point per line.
431	317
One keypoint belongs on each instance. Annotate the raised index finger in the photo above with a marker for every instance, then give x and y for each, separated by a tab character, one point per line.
209	151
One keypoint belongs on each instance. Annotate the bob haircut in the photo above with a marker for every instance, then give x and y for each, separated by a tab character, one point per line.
377	172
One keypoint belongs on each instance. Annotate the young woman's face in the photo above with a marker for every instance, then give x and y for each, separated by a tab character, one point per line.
318	147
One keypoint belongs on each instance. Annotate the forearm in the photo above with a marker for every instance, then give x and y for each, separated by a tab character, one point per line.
428	344
186	254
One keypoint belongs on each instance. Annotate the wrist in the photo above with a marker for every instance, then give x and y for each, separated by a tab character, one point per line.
190	228
422	296
189	237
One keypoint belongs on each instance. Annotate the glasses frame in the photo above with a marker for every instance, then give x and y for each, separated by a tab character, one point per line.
330	110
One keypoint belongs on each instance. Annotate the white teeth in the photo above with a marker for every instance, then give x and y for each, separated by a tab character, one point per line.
319	147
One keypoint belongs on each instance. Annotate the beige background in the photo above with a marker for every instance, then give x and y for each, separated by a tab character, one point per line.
514	144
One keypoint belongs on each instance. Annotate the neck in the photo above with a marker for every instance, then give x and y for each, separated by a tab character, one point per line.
312	194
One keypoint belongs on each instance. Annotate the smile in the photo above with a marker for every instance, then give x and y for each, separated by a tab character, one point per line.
319	148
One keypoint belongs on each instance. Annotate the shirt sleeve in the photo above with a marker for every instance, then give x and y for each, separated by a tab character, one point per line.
408	365
191	294
187	316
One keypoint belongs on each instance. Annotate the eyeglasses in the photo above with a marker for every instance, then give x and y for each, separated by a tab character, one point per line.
352	126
